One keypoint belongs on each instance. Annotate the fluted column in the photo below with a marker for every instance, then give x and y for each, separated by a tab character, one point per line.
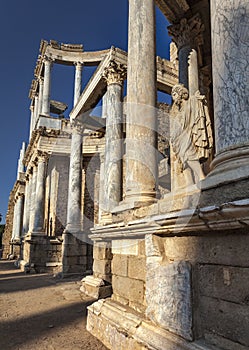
141	140
75	181
188	36
46	86
230	62
77	82
18	218
40	192
114	75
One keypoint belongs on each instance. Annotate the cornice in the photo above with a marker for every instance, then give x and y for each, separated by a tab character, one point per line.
231	215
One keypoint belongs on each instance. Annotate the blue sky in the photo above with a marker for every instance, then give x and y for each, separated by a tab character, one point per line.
96	24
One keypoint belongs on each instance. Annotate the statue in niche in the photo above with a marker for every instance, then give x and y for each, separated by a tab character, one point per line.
191	134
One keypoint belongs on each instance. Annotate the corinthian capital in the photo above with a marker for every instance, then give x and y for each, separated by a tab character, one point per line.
77	127
188	32
115	73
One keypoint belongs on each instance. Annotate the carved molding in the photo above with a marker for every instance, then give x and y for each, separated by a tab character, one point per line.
115	73
188	32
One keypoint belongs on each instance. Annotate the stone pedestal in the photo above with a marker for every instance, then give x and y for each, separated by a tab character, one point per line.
99	284
141	126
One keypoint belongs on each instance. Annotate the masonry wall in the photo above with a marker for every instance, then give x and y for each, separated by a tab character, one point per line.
218	297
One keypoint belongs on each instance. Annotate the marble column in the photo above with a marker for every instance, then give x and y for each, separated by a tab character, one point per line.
18	218
32	197
26	204
188	36
114	75
230	63
77	82
31	120
101	184
20	168
141	125
46	86
75	181
40	98
40	192
104	105
35	112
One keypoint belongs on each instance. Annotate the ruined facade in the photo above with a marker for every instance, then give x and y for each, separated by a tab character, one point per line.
168	190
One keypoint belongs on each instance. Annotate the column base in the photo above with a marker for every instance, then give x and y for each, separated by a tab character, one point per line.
95	287
228	166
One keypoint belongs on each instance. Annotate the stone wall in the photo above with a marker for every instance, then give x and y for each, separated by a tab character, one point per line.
200	287
128	273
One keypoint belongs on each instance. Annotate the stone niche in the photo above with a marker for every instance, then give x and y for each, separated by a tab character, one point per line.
168	292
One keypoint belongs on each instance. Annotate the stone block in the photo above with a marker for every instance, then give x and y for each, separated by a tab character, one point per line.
102	266
137	267
125	247
168	296
218	318
102	252
95	287
224	282
128	288
120	265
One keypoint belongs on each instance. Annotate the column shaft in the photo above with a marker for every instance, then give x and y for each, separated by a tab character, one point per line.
77	82
46	87
230	62
40	195
26	207
75	183
32	198
40	99
141	141
18	218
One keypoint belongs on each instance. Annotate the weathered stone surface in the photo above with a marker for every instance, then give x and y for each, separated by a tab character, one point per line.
102	266
137	267
120	265
128	288
218	317
102	251
168	297
224	282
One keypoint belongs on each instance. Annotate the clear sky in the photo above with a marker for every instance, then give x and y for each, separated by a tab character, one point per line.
96	24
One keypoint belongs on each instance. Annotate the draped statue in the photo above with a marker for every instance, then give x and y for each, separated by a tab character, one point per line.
191	134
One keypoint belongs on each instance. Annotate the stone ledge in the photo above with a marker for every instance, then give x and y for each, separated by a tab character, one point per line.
120	329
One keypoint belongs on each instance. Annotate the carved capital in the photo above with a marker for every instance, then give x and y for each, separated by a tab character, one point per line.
78	65
48	60
115	73
77	127
188	32
42	156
